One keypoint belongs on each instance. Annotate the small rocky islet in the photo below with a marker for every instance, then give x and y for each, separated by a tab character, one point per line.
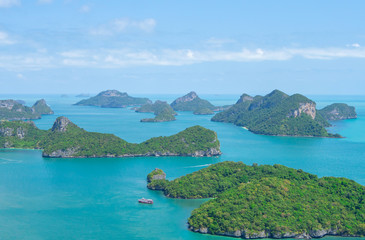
264	201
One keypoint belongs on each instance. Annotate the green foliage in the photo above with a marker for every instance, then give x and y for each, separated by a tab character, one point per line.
275	199
338	111
162	110
113	99
286	205
76	142
276	114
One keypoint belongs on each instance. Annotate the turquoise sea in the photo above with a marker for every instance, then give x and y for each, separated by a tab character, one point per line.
44	198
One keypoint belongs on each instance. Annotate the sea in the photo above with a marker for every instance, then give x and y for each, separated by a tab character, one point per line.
43	198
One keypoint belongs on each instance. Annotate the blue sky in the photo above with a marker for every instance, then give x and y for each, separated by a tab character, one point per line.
77	46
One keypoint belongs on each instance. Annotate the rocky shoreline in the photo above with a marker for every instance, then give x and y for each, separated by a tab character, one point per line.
69	153
276	235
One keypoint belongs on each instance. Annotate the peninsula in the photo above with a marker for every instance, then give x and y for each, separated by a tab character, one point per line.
113	99
282	115
162	110
67	140
15	110
264	201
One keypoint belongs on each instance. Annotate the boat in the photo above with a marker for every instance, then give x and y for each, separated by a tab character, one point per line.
147	201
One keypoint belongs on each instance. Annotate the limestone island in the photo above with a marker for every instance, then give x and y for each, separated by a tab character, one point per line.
264	201
192	102
113	99
67	140
16	110
162	110
338	111
279	114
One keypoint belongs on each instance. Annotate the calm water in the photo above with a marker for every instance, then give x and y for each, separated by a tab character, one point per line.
97	198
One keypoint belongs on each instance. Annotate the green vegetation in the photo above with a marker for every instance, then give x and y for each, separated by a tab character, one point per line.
65	139
163	112
338	111
269	201
156	174
277	114
14	110
42	108
192	102
113	99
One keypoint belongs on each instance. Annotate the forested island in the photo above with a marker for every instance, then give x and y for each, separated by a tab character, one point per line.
162	110
264	201
192	102
16	110
282	115
113	99
338	111
67	140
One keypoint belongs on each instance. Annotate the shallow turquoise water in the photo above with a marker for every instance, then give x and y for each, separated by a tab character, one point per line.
97	198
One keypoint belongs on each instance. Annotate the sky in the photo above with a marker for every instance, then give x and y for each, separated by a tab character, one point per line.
211	47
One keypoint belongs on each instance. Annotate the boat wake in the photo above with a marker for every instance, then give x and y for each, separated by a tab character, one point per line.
6	161
204	165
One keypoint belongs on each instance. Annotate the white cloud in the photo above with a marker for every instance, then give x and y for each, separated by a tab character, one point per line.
125	25
9	3
120	58
85	9
20	76
5	40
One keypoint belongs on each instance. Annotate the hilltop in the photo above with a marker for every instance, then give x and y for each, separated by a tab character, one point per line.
192	102
113	99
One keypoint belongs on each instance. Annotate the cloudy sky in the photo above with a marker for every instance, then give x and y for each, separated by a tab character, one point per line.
77	46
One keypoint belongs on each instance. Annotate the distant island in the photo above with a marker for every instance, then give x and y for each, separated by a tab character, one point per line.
83	95
113	99
282	115
264	201
67	140
162	110
192	102
338	111
15	110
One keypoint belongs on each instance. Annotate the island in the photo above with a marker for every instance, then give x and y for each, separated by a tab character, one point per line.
113	99
338	111
278	114
192	102
264	201
66	140
15	110
162	110
81	95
